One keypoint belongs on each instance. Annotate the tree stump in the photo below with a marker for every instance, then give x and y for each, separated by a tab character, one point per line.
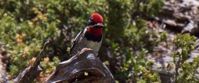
84	67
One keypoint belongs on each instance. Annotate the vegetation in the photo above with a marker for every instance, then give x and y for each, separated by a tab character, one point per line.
26	24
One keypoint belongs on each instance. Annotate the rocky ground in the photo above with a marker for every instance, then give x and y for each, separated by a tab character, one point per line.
177	16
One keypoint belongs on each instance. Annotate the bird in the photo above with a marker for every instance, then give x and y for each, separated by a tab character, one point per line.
90	36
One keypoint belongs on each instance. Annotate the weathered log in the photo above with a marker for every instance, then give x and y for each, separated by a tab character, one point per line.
31	72
85	67
28	75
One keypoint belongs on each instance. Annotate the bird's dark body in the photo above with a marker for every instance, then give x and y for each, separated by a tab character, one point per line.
93	38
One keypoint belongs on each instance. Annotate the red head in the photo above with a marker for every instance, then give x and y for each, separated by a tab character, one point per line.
96	17
96	20
95	24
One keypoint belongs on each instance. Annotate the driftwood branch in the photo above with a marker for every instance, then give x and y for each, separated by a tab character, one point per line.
31	72
85	67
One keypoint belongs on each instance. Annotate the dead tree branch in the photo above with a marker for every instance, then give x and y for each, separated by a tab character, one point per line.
85	67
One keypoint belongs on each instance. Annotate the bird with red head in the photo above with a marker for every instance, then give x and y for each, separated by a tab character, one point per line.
91	36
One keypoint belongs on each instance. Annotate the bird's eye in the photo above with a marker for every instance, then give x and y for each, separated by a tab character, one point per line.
91	22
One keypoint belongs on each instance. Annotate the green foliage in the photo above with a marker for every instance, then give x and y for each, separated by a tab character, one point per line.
147	7
140	42
185	70
118	17
139	37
